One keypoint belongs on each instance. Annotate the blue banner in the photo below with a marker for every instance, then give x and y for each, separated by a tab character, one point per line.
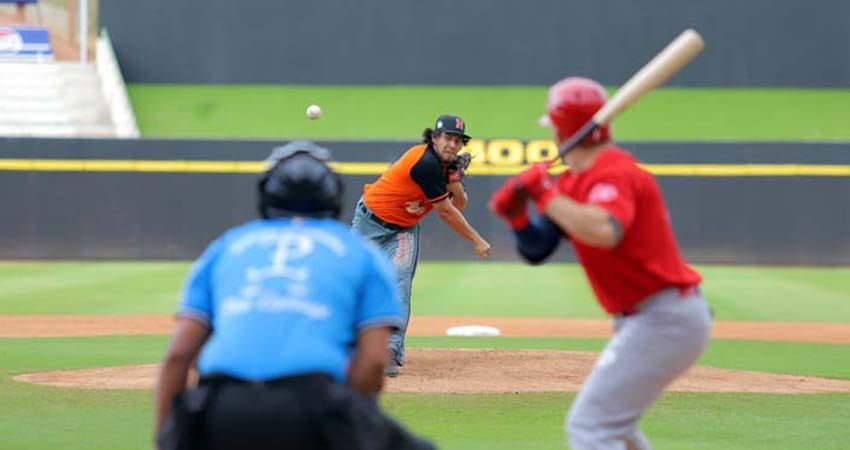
25	43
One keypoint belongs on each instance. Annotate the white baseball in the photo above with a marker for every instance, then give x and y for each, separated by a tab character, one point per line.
314	112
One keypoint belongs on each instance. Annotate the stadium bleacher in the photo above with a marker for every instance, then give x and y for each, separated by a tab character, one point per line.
20	9
46	97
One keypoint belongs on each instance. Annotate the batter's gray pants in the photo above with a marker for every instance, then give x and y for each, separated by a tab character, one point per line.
648	351
402	248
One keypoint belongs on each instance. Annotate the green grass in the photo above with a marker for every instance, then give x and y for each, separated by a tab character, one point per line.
41	417
401	112
502	289
472	422
735	292
90	288
20	355
121	419
440	288
46	418
797	294
677	421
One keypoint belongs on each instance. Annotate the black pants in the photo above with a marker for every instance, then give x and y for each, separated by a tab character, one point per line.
303	412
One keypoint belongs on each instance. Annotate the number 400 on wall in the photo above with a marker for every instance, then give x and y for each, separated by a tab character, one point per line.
510	152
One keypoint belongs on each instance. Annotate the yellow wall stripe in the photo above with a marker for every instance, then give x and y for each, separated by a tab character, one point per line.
750	170
374	168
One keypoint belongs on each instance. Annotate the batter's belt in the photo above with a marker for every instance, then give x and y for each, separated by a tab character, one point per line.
683	291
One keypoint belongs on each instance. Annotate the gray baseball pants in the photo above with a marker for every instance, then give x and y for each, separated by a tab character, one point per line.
402	248
648	351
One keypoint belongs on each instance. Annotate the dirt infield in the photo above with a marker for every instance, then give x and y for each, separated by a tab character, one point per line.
461	370
468	371
58	326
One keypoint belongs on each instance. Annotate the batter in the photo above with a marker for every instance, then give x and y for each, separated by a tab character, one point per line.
613	212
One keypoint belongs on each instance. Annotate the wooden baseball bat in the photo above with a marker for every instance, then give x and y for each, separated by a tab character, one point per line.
658	70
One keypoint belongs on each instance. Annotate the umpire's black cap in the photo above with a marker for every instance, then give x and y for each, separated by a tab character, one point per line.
452	125
298	181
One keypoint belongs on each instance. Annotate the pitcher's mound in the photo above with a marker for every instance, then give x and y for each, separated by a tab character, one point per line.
484	371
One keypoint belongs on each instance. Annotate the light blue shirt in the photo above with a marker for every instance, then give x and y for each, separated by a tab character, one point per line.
288	296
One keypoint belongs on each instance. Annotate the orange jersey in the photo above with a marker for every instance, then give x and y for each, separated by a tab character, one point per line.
405	193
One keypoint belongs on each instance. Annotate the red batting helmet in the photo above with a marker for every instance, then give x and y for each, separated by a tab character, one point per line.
572	102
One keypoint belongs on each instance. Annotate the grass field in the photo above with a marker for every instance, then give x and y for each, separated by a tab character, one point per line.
401	112
37	417
502	289
47	418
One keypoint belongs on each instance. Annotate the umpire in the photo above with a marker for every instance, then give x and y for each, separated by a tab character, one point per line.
291	315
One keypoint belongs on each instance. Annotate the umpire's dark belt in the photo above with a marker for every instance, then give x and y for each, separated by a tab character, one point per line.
292	381
378	220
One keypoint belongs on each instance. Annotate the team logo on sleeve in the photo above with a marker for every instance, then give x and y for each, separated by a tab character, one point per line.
602	193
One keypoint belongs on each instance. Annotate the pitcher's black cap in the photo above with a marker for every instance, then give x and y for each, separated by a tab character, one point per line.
452	125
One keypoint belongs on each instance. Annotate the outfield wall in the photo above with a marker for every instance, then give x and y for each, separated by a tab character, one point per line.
475	42
152	199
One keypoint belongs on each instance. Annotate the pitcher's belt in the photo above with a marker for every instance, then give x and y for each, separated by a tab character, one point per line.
378	220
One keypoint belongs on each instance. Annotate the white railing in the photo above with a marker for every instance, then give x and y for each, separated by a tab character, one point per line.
114	90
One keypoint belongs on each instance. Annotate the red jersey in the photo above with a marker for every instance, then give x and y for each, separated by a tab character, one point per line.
647	259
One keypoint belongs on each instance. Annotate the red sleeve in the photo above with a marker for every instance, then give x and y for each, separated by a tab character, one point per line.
617	195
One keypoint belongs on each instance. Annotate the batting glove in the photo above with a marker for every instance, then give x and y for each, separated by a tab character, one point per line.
509	203
539	185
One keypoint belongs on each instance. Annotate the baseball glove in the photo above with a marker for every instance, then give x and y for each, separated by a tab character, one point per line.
457	168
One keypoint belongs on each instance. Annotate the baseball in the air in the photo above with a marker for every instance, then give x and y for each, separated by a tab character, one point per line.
314	112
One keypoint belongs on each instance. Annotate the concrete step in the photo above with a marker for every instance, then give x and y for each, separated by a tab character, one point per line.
53	99
62	68
58	131
49	118
53	104
23	83
47	94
